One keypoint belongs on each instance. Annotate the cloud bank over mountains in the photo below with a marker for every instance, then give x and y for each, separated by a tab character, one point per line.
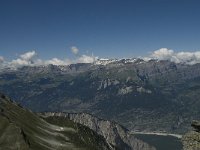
24	59
177	57
31	58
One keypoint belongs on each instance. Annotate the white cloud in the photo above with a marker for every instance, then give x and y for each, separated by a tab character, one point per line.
162	53
28	56
20	62
29	59
1	59
56	61
86	59
25	59
74	50
177	57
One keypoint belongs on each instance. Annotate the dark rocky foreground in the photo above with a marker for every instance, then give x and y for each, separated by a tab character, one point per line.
21	129
191	140
114	133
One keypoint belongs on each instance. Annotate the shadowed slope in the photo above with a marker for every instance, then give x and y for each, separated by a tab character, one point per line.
22	129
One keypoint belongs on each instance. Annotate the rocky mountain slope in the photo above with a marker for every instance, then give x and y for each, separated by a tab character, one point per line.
21	129
114	134
24	130
191	140
159	96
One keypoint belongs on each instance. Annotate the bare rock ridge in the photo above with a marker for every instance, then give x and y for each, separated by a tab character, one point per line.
20	129
191	140
115	134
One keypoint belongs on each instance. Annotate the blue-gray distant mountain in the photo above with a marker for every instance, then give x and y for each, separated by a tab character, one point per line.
141	95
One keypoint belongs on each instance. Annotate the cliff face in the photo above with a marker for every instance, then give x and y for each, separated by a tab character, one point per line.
20	129
191	140
115	135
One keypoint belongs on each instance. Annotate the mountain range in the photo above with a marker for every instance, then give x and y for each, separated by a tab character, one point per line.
146	96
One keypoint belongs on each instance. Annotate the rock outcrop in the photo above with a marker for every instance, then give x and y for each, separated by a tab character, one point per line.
191	140
196	125
20	129
115	134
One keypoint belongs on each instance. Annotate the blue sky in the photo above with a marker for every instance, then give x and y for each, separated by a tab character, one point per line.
107	28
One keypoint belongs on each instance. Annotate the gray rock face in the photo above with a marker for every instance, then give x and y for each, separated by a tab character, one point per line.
20	129
191	140
196	125
115	135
